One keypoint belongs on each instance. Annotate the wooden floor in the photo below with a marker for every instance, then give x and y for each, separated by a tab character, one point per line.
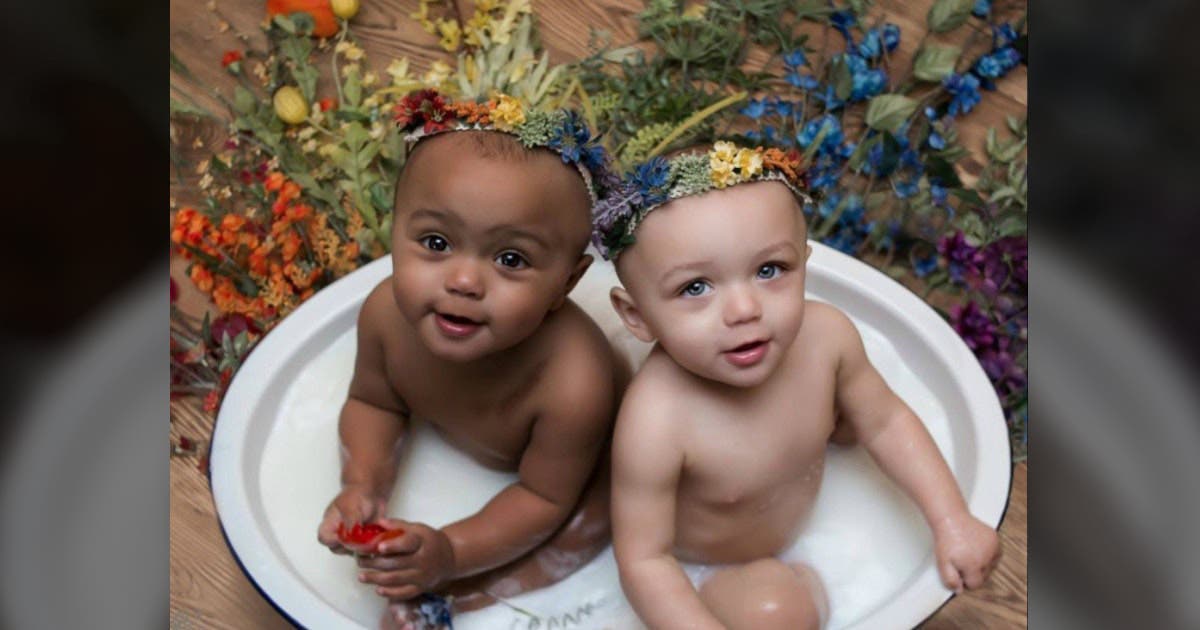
208	590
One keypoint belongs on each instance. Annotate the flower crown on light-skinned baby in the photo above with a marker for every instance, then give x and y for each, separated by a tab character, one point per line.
660	180
427	112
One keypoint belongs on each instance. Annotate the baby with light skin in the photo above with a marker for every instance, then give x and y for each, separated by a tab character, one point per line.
474	334
720	440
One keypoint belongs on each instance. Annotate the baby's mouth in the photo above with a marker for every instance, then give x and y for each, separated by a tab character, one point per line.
456	326
747	354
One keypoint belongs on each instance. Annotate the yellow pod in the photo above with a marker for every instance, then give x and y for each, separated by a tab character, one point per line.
345	9
290	105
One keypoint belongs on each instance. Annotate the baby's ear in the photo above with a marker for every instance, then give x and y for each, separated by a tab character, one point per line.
628	312
581	266
807	251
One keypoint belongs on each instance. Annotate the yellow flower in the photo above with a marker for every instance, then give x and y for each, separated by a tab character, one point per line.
349	50
369	79
349	69
310	146
723	151
507	113
749	163
438	73
695	11
377	130
306	133
398	69
451	34
722	173
372	101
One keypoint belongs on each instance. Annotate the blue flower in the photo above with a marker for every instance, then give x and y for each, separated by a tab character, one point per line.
936	141
937	192
871	47
833	133
868	84
824	173
842	21
651	179
924	266
965	92
770	136
802	81
1003	35
828	96
891	36
982	8
998	63
754	109
906	188
795	58
570	138
781	107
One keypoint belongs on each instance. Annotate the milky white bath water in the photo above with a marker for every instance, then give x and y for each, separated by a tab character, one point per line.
864	537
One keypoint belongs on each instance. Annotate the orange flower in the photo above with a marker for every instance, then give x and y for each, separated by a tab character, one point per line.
258	260
326	103
298	212
201	277
274	181
291	246
778	159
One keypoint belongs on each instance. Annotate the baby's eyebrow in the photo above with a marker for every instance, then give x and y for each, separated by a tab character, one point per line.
776	247
440	215
690	267
508	231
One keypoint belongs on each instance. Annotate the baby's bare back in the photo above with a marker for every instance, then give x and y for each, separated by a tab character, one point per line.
488	408
753	459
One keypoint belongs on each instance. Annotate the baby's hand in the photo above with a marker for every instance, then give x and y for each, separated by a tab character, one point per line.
420	560
353	505
967	551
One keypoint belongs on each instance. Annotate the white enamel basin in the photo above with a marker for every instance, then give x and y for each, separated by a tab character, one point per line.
274	463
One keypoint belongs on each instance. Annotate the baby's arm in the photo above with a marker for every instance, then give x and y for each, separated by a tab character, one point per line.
566	441
647	463
967	549
370	427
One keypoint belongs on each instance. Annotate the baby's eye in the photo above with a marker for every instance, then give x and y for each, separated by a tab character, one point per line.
769	270
695	288
435	242
512	260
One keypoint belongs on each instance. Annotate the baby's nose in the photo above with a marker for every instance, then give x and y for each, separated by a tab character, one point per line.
465	279
742	305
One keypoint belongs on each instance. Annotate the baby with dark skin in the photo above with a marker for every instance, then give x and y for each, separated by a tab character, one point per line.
474	334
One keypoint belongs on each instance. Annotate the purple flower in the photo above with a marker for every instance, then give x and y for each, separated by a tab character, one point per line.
1001	266
959	254
973	325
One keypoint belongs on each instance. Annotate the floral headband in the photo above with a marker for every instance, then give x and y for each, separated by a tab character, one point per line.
658	180
426	112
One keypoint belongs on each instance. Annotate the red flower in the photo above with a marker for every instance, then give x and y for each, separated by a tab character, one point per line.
231	325
230	57
174	291
326	103
211	401
426	108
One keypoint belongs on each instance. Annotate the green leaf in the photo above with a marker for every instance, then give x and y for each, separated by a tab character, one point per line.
843	80
860	152
947	15
943	170
969	197
887	112
244	102
285	22
934	62
349	115
181	108
380	198
1011	226
352	89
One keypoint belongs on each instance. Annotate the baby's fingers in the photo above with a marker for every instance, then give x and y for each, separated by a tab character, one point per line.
388	578
401	593
950	576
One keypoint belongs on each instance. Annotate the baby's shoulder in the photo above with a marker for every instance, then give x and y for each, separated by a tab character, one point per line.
826	321
379	319
579	363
